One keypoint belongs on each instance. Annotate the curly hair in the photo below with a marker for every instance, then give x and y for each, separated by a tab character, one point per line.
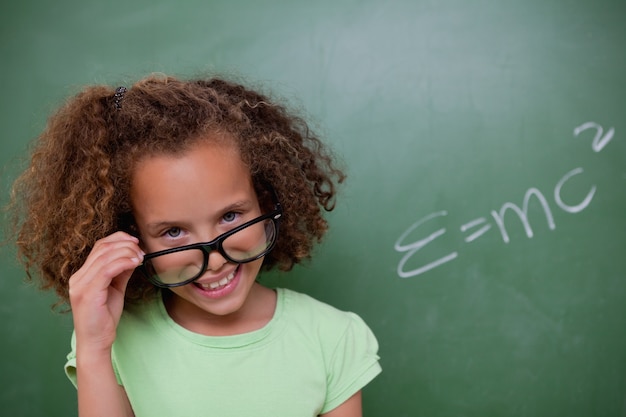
76	188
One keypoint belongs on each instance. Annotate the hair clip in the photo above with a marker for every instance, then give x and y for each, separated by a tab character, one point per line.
118	96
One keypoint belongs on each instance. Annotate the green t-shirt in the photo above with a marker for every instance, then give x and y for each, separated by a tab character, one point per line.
306	361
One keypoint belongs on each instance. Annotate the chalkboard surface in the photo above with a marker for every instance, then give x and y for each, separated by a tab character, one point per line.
482	230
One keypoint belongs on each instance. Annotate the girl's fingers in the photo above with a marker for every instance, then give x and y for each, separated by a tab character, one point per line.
115	255
99	275
115	240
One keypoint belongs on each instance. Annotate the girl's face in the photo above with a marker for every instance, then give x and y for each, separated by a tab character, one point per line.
195	197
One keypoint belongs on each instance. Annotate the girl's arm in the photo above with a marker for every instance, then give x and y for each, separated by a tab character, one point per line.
97	298
350	408
98	391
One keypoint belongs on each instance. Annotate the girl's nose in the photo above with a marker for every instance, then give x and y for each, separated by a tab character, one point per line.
216	260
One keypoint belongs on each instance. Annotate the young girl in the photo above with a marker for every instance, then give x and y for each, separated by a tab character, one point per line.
152	210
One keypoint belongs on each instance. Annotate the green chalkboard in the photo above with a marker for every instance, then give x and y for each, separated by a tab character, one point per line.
482	229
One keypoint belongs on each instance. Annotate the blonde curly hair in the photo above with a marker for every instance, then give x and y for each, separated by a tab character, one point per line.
76	187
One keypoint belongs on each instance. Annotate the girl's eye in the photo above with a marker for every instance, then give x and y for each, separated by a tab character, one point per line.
173	232
230	217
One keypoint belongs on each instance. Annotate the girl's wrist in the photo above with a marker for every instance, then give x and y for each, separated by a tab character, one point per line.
93	357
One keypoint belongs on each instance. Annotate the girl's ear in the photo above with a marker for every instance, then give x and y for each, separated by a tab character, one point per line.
265	194
266	201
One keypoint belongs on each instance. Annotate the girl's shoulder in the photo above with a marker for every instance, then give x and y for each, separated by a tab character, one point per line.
319	317
301	303
341	340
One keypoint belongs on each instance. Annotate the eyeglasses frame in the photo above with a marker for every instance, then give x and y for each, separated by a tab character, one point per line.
215	245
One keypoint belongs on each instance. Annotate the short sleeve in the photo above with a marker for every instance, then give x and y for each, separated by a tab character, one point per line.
70	364
354	363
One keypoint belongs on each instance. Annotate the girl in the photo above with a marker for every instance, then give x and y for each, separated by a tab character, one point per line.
151	211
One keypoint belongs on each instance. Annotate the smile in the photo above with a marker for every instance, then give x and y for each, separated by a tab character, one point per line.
219	284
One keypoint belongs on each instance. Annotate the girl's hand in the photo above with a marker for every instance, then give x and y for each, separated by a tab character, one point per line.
97	291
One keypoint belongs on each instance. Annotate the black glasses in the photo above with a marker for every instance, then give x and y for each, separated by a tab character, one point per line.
246	243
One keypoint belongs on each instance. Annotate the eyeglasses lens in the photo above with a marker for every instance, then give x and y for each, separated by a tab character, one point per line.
176	267
250	243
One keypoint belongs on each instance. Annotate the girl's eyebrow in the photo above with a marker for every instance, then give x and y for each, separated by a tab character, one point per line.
159	225
238	205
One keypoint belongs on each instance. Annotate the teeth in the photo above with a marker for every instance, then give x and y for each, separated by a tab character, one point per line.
220	283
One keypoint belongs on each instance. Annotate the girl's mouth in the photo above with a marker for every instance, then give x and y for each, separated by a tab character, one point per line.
217	285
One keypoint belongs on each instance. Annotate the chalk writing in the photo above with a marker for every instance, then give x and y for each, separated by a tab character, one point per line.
599	141
479	226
